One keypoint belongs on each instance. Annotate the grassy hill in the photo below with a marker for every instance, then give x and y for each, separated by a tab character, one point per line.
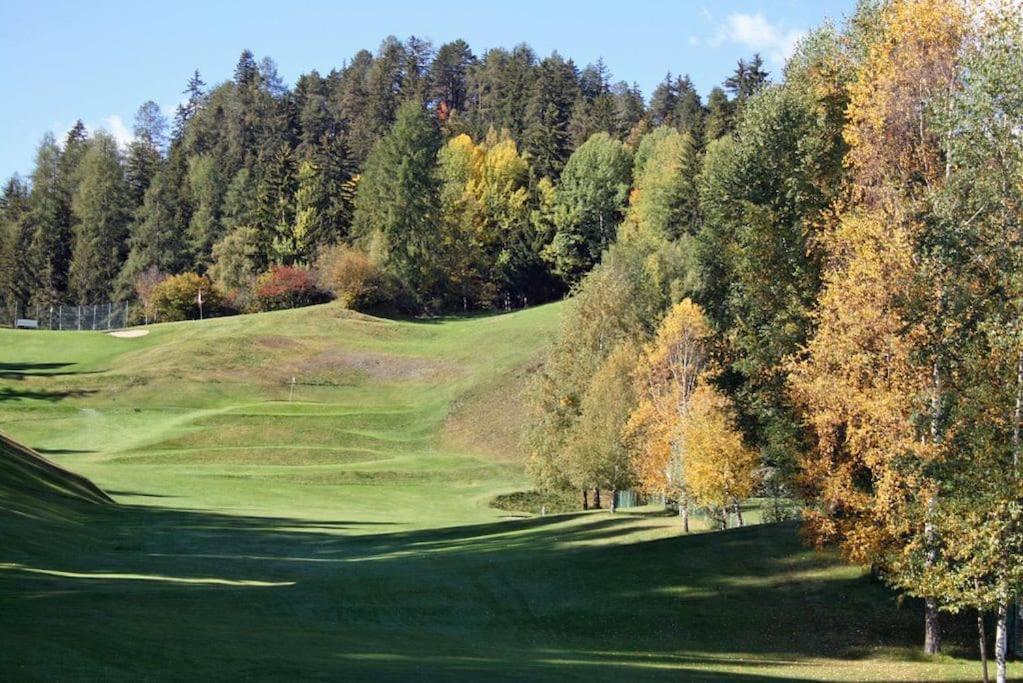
33	486
340	526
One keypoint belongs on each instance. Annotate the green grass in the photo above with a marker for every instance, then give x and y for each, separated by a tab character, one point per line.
348	532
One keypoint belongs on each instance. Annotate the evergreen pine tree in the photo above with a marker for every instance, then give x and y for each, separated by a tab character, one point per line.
100	205
548	139
16	269
719	115
663	102
689	114
396	203
275	205
196	91
449	73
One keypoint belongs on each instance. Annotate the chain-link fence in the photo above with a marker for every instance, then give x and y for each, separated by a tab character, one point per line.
108	316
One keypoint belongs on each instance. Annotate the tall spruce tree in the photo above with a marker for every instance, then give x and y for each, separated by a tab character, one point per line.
51	221
718	121
449	73
158	233
196	91
396	203
499	83
100	205
747	79
145	151
547	139
325	197
16	270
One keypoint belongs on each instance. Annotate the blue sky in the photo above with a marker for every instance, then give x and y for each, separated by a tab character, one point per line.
98	61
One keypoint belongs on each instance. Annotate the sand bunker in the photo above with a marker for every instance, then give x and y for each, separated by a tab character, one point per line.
129	334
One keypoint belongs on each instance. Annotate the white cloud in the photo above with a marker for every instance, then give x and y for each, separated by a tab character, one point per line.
113	124
775	42
117	128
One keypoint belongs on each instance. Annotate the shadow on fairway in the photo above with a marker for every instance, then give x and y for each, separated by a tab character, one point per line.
17	371
62	451
10	394
541	598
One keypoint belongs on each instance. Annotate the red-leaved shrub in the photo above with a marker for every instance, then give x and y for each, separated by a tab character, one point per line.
287	287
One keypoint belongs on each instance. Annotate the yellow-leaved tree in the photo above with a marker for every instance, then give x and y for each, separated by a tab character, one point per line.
720	471
485	217
871	379
685	446
666	377
597	453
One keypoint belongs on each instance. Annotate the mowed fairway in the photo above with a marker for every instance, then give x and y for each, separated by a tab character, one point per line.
340	526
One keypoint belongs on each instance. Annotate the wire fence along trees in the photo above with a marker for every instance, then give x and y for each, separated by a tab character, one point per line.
108	316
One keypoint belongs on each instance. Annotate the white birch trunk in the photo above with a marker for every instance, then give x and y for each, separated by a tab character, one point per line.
1001	638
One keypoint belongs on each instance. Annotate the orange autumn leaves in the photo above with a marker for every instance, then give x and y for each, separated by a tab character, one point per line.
865	378
685	444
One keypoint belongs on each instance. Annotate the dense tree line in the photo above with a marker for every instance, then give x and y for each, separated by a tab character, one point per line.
807	289
822	304
471	181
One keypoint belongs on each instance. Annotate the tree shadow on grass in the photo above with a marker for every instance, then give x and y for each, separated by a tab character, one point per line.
140	494
19	371
539	598
11	394
62	451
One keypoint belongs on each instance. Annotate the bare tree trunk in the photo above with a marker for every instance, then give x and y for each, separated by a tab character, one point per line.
586	501
614	496
1000	641
683	512
738	513
982	633
1017	437
1018	642
1017	415
596	498
932	627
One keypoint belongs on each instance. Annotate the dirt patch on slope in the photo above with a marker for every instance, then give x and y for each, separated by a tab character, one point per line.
376	365
276	359
491	421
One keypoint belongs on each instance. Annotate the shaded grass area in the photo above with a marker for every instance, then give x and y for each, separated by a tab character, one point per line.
31	486
342	526
579	596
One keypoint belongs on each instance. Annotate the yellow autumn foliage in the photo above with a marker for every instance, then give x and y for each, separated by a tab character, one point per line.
719	470
863	382
666	377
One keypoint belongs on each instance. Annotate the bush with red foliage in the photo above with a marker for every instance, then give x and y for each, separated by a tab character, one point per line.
287	287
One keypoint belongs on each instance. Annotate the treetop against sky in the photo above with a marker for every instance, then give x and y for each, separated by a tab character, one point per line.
99	61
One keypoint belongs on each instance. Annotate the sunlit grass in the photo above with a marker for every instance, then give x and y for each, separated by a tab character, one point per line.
342	528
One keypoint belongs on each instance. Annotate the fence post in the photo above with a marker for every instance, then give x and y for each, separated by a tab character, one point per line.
93	317
110	308
60	317
79	317
51	316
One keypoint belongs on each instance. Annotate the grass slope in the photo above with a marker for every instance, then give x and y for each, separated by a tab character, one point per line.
33	486
341	527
